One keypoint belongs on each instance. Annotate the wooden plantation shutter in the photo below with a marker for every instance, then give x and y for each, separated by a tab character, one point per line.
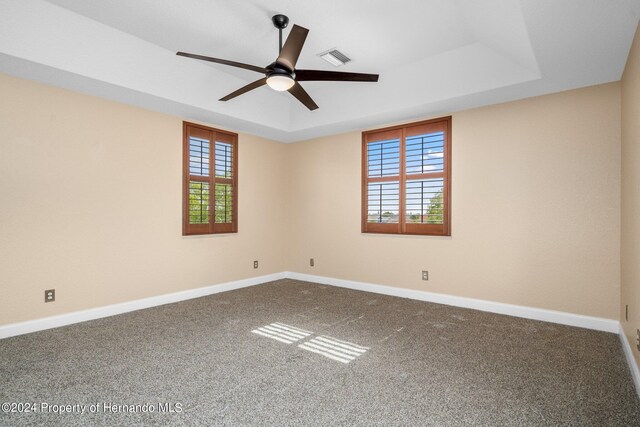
382	167
210	184
406	184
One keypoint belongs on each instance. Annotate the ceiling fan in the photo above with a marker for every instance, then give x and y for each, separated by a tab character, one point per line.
282	74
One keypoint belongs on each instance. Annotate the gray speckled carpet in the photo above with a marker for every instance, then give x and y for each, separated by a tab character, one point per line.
295	353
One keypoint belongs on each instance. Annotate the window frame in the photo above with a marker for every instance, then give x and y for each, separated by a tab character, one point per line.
402	227
214	135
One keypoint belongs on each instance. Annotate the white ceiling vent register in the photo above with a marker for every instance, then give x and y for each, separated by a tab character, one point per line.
334	57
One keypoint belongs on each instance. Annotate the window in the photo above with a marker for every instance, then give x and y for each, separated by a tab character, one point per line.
406	179
210	187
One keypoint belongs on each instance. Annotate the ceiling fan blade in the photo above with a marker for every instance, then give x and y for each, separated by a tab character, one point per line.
302	95
338	76
292	47
245	89
224	62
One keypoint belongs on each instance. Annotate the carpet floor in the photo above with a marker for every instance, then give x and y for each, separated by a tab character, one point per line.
291	353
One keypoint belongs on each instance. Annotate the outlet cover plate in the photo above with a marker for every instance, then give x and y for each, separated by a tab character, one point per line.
50	295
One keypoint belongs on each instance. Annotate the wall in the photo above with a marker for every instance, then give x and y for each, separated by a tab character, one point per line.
630	244
90	204
535	208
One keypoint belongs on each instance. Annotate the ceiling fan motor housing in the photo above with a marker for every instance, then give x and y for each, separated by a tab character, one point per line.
280	69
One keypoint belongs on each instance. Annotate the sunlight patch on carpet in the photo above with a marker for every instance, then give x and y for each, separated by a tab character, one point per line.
332	348
282	332
335	349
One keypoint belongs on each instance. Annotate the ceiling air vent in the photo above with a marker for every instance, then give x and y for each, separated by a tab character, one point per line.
334	57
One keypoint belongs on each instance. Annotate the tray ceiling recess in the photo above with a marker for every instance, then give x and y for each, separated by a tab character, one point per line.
433	56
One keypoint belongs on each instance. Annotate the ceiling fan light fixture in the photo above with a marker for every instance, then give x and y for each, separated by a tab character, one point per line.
280	82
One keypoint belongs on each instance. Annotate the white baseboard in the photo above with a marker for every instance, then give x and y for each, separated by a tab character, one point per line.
589	322
631	361
596	323
21	328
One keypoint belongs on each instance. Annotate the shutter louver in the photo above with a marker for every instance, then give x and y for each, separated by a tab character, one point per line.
198	202
384	158
424	203
425	153
224	197
198	156
224	160
224	203
384	202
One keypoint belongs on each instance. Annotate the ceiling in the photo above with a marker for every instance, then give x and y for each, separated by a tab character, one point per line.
433	56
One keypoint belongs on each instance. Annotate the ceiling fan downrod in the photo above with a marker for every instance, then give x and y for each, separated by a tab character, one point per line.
280	22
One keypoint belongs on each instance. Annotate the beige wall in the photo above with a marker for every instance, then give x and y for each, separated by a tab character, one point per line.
90	204
536	208
630	245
